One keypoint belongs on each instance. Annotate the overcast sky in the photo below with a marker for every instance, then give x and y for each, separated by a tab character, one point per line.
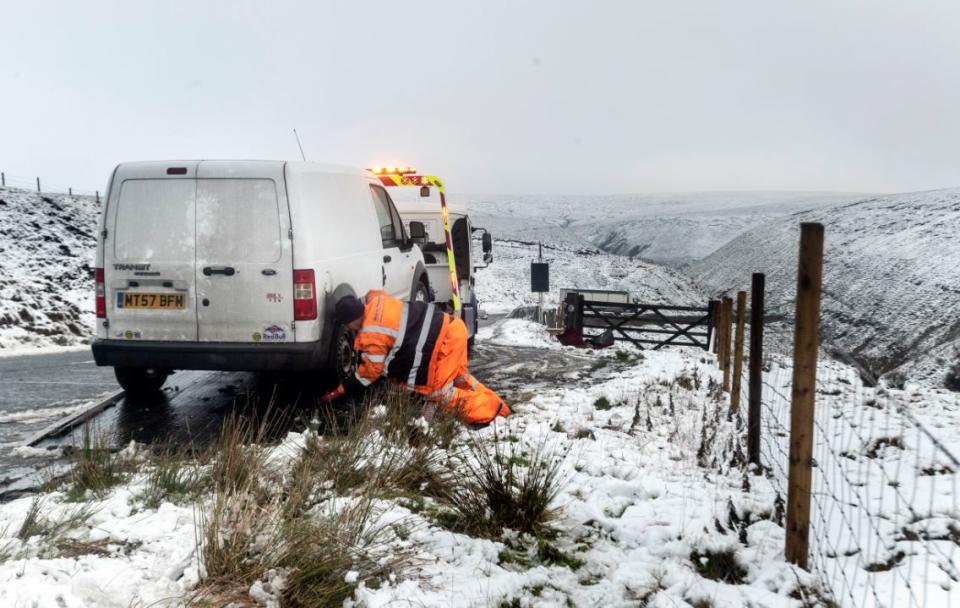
496	97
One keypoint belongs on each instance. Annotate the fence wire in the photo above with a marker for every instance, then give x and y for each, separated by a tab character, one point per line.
884	521
23	182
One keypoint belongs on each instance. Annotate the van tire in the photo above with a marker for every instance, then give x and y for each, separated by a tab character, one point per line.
421	293
141	380
342	362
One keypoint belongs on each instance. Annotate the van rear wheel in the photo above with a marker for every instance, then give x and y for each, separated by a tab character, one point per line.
141	380
342	362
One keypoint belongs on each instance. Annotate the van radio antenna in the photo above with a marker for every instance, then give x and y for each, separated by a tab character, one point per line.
304	156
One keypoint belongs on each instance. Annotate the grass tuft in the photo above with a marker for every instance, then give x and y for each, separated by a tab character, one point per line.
498	489
719	566
95	468
172	477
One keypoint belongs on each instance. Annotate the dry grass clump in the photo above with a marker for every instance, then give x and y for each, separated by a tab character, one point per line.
173	475
501	488
55	536
324	528
96	468
324	522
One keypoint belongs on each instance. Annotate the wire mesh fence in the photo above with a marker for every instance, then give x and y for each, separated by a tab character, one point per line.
38	184
884	519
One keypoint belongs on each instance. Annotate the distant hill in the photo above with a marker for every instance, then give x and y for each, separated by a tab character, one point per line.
891	287
672	229
47	244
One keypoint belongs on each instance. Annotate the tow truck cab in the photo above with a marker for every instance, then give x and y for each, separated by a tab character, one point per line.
420	207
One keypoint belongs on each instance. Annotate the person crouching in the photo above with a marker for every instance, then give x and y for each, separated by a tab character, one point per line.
420	347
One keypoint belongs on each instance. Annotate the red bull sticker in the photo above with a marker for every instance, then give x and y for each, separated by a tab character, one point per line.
273	333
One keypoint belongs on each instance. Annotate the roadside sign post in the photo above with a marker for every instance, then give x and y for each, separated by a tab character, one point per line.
540	281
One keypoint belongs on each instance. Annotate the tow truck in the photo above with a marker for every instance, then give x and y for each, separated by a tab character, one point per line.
446	236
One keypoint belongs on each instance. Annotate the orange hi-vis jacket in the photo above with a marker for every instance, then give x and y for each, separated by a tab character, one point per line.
420	346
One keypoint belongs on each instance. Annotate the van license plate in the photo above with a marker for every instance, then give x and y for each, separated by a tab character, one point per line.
176	301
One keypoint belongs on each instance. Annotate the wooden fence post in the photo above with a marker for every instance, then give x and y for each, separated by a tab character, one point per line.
38	184
98	197
727	317
3	179
721	311
756	367
738	352
713	308
806	341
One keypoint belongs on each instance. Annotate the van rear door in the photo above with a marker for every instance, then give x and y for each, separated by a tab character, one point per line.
244	270
149	254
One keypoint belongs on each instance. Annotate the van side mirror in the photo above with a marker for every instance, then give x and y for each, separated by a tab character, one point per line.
424	191
487	243
418	233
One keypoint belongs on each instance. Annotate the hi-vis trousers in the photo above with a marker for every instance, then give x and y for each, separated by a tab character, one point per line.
450	385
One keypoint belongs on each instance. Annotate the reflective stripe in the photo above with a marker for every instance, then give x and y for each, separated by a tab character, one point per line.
374	358
418	353
404	314
363	380
377	329
443	394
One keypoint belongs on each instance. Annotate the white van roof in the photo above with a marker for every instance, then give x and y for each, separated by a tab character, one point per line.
152	167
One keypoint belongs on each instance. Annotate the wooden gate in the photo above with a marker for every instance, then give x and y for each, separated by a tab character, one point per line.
645	325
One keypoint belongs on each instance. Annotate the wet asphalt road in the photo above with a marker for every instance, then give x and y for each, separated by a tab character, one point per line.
38	390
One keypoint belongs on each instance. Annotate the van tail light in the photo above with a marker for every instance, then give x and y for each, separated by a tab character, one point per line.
304	295
101	294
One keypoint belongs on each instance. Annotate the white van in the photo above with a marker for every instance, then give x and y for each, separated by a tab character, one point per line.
237	265
420	211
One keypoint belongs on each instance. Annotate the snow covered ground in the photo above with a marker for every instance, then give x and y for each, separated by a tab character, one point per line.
648	504
46	279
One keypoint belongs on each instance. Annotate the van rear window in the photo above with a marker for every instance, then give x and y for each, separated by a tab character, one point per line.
155	220
238	220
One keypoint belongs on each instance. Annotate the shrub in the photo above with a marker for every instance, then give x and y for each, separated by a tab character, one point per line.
495	490
602	403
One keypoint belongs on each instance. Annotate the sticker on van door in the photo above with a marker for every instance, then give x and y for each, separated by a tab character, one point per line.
271	333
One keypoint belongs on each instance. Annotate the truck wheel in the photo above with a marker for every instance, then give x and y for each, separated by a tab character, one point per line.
421	293
342	362
141	380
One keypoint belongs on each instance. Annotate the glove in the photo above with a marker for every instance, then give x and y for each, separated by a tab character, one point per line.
333	394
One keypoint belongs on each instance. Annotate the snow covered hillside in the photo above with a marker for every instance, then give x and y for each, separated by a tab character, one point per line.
890	290
672	229
505	284
47	246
